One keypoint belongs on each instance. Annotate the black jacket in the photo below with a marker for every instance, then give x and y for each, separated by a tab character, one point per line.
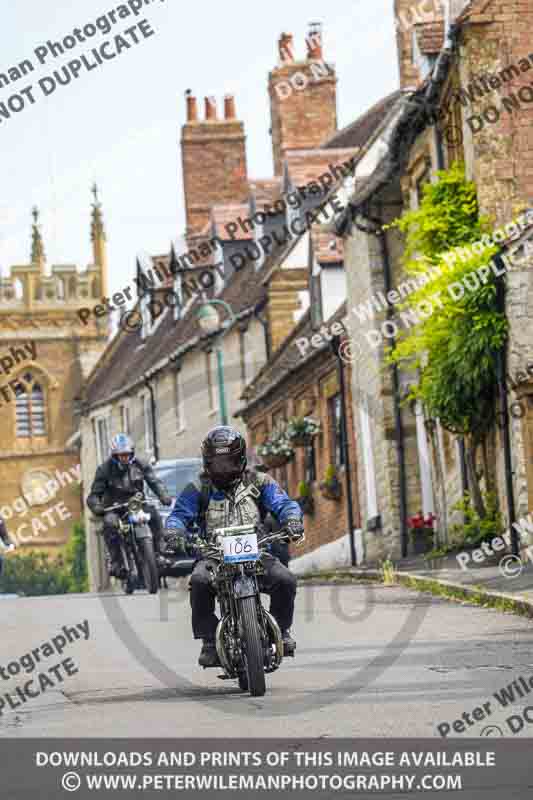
3	532
112	486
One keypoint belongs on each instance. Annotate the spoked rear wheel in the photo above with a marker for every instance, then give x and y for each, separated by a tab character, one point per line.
253	647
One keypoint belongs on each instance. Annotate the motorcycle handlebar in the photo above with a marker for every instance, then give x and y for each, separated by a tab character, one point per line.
210	548
138	498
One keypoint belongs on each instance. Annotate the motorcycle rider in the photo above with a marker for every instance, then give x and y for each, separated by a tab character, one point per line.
4	536
116	481
229	494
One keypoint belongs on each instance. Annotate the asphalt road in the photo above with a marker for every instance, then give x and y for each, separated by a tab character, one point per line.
372	661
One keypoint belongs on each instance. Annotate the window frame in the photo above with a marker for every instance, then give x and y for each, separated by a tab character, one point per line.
181	422
98	421
29	389
148	424
336	430
125	419
310	471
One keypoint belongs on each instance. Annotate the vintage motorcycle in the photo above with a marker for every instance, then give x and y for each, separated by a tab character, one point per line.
136	545
248	639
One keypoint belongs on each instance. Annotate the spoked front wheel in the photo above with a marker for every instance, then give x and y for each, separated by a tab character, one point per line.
253	648
149	567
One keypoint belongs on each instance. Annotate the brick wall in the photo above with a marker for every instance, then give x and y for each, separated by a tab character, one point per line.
214	161
302	117
307	393
409	16
499	159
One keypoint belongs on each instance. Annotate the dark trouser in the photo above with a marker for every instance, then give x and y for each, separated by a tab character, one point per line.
277	581
111	534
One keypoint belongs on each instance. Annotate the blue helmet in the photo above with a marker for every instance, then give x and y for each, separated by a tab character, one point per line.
122	445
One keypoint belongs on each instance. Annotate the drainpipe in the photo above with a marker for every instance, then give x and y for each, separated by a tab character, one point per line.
150	388
502	394
266	329
335	344
399	437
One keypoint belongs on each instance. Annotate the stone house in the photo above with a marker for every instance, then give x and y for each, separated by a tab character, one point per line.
460	59
45	355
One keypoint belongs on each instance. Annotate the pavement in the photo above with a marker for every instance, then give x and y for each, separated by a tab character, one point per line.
372	661
509	579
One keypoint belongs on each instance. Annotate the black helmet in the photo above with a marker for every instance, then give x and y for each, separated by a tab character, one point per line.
224	456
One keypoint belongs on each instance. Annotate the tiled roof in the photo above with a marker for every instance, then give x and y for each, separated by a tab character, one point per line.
305	166
130	358
357	133
221	215
430	36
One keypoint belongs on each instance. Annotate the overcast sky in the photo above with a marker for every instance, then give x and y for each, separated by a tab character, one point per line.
120	124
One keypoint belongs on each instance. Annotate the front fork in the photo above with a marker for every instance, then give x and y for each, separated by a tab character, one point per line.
229	626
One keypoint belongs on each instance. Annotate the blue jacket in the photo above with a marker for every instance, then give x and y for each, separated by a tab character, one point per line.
272	499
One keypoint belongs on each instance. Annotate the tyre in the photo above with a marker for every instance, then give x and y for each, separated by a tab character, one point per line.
149	566
253	647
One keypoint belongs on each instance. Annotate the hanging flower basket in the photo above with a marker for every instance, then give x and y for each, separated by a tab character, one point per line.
272	461
305	498
331	491
276	451
300	431
307	504
331	487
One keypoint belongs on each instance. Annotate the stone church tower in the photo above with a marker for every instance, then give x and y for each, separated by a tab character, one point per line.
45	354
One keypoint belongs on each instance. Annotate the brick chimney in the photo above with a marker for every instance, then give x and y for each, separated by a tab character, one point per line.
303	98
410	16
213	154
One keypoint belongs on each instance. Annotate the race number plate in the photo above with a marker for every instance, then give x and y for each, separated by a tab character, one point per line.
240	548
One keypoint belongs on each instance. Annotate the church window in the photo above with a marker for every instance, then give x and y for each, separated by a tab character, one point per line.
30	408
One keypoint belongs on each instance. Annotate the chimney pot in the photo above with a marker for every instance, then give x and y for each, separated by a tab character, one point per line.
210	108
229	107
192	109
286	47
314	41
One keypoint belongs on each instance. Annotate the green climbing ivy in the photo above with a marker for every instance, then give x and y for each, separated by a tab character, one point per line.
453	349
